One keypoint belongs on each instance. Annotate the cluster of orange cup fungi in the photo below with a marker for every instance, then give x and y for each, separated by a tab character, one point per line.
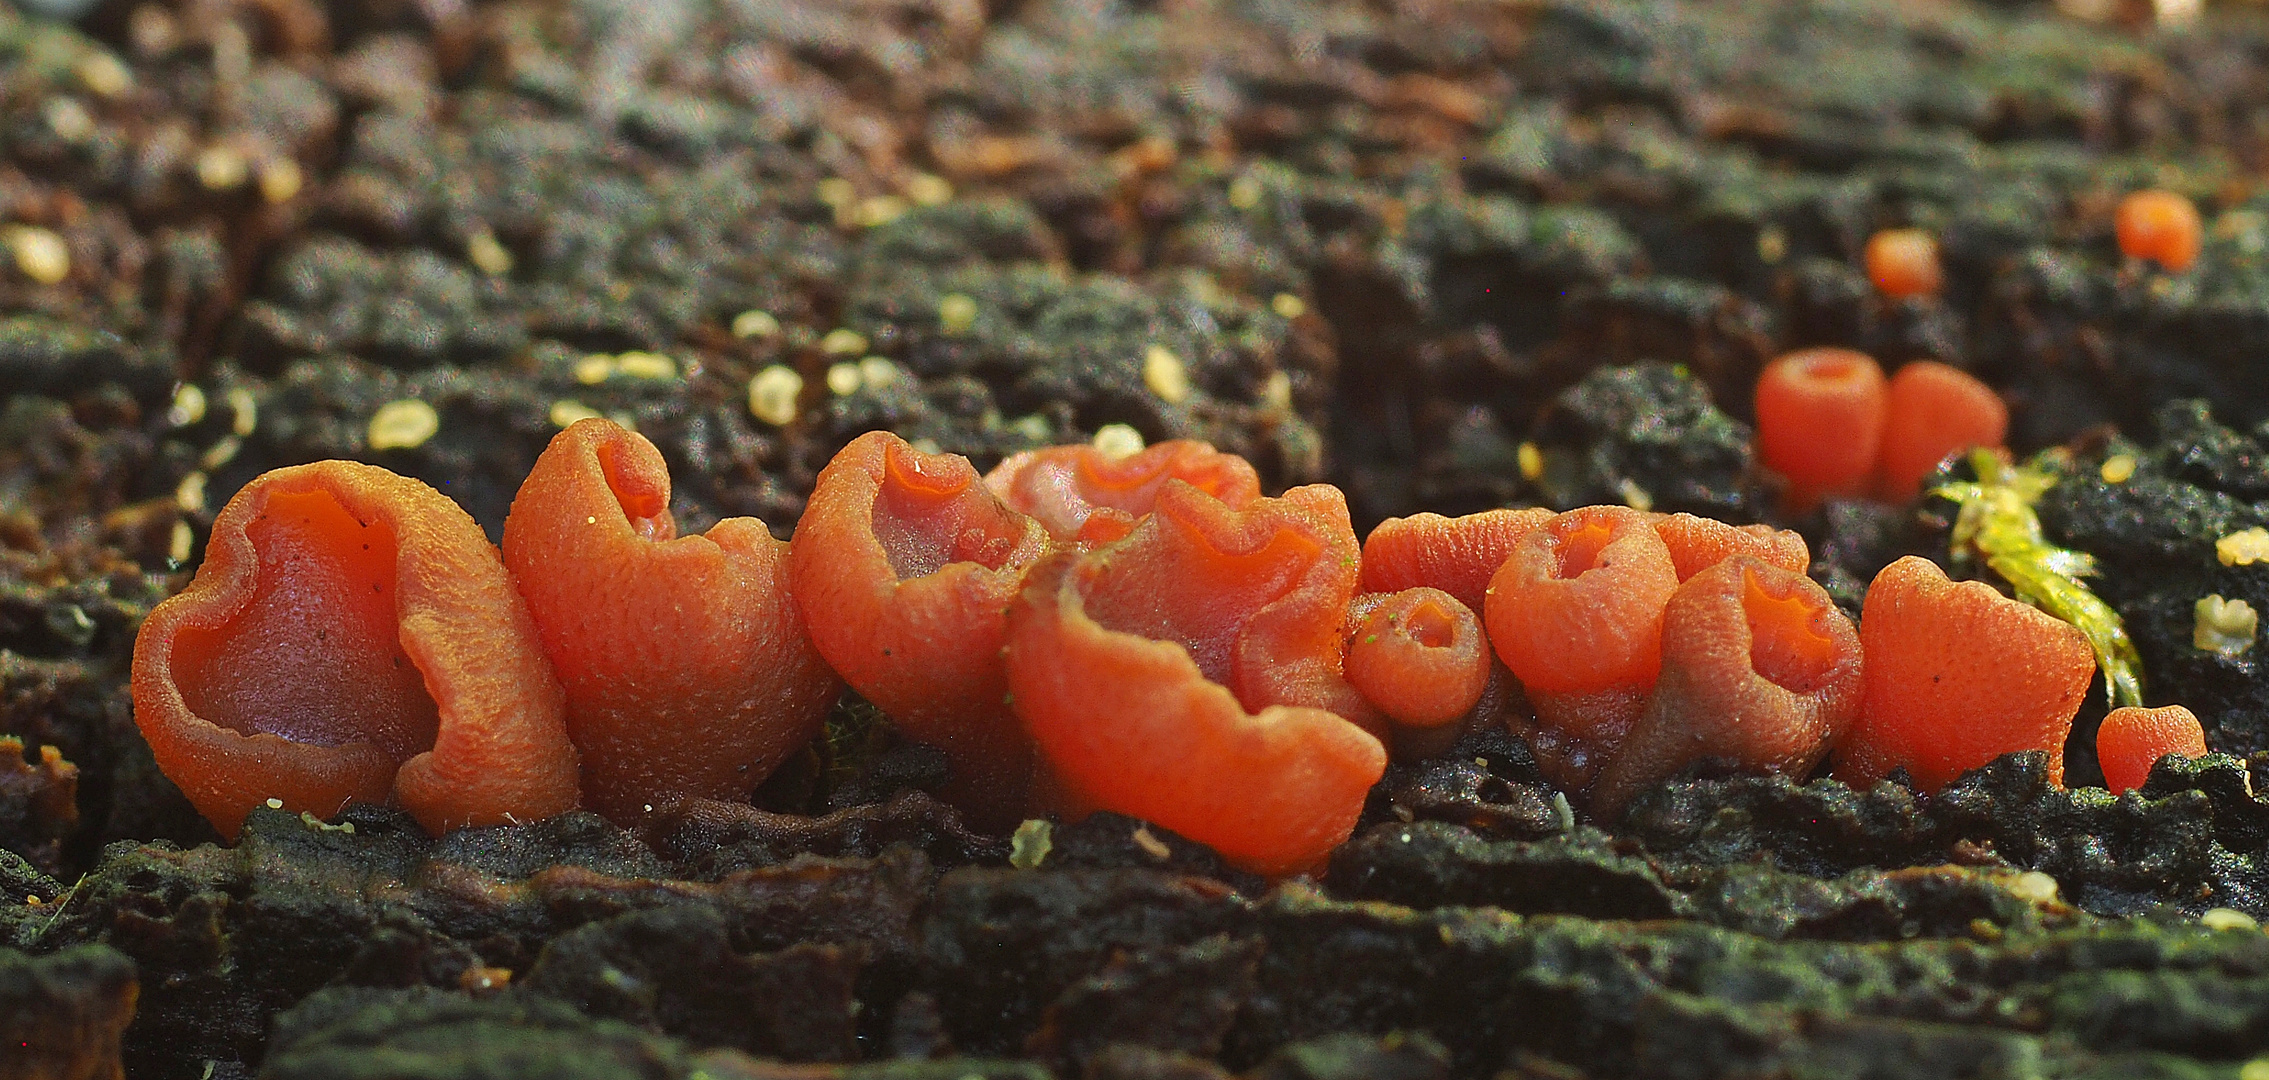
1147	634
1829	422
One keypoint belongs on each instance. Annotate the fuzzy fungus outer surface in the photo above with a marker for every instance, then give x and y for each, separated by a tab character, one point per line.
352	637
1064	487
1759	668
685	663
1957	675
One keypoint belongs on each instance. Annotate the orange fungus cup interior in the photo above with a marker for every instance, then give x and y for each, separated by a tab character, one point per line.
1180	675
352	637
903	566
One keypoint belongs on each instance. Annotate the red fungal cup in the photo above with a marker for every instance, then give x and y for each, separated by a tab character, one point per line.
2132	739
2162	226
1820	422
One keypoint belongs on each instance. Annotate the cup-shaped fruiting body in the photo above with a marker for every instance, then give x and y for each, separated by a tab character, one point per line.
2162	226
1418	655
1064	486
1456	555
1935	411
1176	675
1957	675
1820	418
352	637
1576	614
1698	543
1903	263
686	667
2133	738
903	565
1758	668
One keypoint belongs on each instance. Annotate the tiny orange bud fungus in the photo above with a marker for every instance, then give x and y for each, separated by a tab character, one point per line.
2159	225
1820	417
1903	263
2133	739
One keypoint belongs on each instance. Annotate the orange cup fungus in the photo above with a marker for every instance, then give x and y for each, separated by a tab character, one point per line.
904	564
1419	655
1456	555
1935	411
1576	614
685	664
1957	675
352	637
2162	226
1065	486
1758	668
2132	739
1820	419
1830	424
1189	674
1903	263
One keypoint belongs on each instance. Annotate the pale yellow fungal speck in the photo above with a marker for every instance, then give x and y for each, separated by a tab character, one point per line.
2243	548
1031	428
1276	391
188	406
1634	496
1029	845
2257	1069
836	191
2032	885
403	425
876	372
957	313
1150	844
843	378
591	520
1118	441
280	179
594	369
566	411
1163	373
772	395
104	74
929	190
880	210
646	365
843	342
2223	918
2223	626
482	247
222	452
182	543
275	804
222	168
246	410
1772	244
1287	306
753	323
40	254
189	495
1532	461
70	120
2118	468
1245	193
